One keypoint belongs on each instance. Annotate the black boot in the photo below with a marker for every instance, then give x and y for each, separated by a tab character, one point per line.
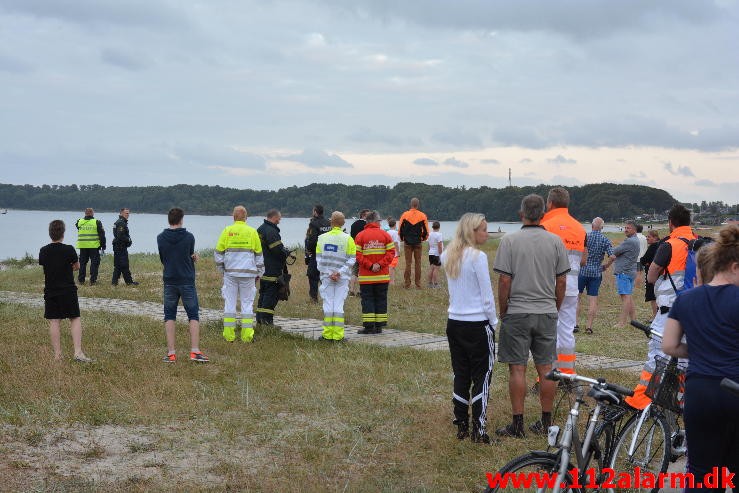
463	429
479	435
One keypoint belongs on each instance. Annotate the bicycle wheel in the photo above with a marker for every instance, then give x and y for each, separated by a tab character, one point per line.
651	447
534	471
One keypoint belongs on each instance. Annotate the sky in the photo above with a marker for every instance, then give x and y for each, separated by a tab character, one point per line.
267	94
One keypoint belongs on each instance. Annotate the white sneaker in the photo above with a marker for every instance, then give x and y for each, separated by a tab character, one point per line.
82	358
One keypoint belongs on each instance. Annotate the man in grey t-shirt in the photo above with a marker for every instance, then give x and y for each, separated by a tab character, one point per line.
627	255
532	264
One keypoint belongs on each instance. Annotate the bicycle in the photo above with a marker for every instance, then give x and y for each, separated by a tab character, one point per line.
557	466
652	438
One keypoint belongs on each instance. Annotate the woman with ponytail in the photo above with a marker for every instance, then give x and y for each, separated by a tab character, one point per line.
471	324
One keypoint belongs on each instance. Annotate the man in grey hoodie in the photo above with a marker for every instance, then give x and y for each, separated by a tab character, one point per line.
177	253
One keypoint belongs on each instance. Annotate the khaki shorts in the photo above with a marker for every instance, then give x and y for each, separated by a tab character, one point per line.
524	332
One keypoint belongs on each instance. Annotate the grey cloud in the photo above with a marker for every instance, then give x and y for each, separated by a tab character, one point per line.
679	170
525	161
521	135
639	175
130	12
425	161
366	136
12	64
209	156
705	183
576	18
122	60
458	139
456	163
489	161
560	159
314	158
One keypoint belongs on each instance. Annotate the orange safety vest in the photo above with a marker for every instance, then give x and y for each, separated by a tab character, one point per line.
663	287
569	229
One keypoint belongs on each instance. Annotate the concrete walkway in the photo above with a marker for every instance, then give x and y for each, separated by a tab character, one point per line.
308	328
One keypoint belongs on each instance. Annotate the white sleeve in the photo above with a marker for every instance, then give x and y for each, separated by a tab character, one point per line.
486	287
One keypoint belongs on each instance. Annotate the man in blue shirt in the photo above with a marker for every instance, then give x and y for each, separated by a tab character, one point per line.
591	275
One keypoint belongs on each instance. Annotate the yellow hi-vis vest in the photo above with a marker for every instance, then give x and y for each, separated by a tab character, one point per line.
87	236
335	252
239	251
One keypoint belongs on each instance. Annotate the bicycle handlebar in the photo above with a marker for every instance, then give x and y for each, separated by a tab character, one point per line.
648	331
557	375
730	385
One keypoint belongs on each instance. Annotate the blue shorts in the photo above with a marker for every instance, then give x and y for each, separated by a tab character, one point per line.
172	295
592	284
624	283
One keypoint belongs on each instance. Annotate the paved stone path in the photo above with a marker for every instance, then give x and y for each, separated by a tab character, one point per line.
308	328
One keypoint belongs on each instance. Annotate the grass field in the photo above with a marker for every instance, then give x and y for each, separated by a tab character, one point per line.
282	414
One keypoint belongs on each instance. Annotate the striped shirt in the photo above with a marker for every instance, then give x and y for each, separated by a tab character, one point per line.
598	245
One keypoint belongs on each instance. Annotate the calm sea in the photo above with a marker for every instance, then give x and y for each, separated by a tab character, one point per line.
24	232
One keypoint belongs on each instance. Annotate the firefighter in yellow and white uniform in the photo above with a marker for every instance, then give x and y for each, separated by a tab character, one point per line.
335	257
238	257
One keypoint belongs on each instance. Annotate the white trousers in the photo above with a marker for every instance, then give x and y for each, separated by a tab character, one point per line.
333	294
235	289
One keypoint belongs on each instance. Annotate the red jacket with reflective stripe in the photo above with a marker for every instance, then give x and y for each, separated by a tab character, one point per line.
374	246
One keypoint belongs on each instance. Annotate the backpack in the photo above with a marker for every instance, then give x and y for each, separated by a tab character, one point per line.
691	266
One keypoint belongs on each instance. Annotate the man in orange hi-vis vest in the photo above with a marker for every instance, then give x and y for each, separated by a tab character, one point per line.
671	258
558	220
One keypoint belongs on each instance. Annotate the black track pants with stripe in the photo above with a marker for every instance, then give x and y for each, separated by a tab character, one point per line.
472	347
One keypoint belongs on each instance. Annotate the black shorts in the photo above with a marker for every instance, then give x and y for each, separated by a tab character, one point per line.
434	260
62	306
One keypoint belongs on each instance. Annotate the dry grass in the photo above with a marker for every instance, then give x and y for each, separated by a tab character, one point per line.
283	413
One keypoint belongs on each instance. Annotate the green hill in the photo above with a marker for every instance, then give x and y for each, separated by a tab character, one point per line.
610	201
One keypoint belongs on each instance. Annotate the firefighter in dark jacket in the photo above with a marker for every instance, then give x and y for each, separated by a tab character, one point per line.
275	254
317	226
90	240
121	242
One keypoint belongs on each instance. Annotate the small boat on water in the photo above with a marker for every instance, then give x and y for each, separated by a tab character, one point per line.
3	211
495	234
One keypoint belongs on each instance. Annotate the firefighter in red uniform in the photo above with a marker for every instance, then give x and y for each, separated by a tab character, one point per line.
375	252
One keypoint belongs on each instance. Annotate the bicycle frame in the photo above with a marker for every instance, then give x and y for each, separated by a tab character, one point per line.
583	450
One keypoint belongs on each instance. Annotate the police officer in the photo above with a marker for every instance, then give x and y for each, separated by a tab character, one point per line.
275	254
121	242
90	239
317	226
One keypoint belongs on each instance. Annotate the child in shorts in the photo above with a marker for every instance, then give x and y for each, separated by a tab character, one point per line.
60	292
436	246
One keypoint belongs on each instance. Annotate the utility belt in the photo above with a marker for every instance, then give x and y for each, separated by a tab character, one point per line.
664	309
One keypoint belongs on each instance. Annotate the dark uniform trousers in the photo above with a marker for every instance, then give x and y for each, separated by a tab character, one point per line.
120	265
267	301
374	305
314	277
93	256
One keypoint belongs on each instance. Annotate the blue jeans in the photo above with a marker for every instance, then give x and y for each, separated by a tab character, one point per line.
172	295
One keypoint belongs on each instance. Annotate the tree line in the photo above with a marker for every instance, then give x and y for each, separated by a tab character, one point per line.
612	202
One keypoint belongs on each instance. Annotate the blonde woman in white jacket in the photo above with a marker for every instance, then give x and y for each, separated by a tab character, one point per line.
471	324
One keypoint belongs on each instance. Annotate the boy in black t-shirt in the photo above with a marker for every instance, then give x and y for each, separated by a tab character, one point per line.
60	293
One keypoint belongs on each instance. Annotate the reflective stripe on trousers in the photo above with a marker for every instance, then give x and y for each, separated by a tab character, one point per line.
566	319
